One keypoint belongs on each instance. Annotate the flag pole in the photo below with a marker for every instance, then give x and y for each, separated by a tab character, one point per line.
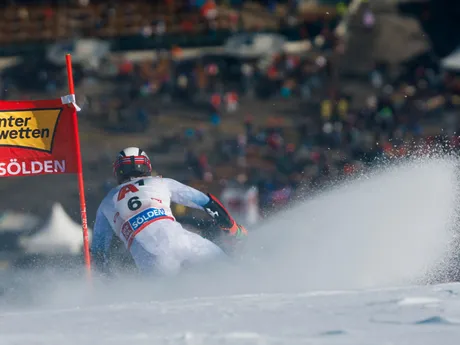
81	186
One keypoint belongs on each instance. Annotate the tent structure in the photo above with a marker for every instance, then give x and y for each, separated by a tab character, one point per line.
452	61
87	52
60	235
254	45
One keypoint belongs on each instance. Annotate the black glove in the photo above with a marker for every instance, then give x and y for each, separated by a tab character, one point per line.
233	234
223	218
218	212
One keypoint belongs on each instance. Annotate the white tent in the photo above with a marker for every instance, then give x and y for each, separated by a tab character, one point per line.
59	235
86	51
254	45
452	62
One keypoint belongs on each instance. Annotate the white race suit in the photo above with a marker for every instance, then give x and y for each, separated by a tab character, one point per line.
139	213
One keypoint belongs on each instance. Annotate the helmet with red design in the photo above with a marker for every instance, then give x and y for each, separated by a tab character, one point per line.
131	162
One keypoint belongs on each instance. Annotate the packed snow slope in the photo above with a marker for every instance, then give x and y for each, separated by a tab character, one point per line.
341	268
406	315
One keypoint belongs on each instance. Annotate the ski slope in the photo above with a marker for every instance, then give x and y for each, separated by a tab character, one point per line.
424	315
347	267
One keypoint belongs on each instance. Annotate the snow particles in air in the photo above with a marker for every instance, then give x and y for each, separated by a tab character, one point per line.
340	268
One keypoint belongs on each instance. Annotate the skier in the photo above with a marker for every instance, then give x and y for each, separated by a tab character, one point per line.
138	211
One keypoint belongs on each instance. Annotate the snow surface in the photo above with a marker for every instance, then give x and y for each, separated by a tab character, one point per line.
347	267
419	315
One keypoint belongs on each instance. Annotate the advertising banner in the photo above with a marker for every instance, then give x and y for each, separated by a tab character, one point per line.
37	137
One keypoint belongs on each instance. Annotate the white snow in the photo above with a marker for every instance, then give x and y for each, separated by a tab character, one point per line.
391	228
419	300
354	317
340	269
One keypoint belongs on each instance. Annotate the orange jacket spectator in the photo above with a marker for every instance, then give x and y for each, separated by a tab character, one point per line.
209	10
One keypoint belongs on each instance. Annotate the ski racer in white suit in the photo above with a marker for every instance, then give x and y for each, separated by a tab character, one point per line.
138	212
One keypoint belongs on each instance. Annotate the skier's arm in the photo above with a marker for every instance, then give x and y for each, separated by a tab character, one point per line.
186	195
100	245
191	197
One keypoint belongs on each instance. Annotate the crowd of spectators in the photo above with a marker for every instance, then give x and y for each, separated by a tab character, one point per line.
329	137
151	24
331	134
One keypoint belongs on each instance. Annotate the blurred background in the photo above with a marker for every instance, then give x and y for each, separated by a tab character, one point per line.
262	103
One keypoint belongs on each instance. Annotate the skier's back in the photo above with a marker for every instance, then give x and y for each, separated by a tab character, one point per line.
138	211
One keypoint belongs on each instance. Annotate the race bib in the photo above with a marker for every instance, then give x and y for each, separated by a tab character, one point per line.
145	217
141	220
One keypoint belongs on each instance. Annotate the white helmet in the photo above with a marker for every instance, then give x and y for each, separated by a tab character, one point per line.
130	163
